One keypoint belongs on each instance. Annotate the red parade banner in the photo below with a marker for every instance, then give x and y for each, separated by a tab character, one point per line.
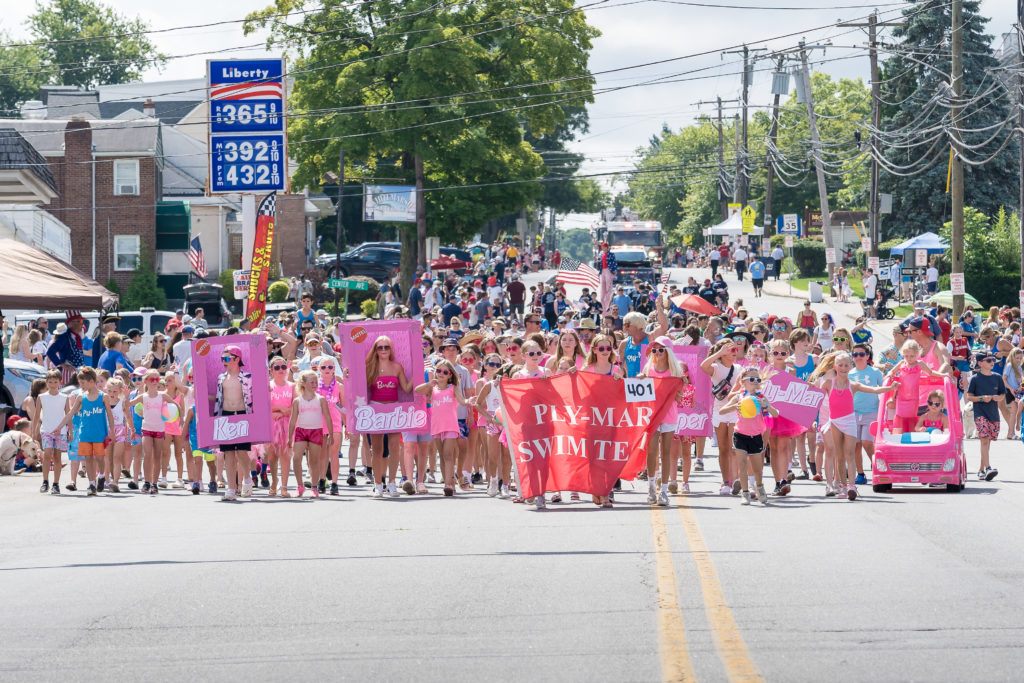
259	272
579	431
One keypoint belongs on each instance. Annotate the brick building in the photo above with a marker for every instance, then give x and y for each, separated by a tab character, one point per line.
109	181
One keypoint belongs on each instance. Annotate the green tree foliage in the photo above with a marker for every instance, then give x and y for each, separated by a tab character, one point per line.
352	58
809	257
21	74
991	256
227	284
914	88
576	243
117	50
143	289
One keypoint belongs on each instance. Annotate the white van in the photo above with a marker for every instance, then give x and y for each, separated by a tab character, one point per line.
149	320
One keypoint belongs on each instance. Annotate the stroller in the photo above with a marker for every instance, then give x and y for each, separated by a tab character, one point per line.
882	310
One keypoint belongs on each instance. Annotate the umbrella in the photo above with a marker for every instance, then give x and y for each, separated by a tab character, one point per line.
446	262
695	304
945	298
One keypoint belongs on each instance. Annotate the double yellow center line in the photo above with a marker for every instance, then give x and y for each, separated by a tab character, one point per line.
676	664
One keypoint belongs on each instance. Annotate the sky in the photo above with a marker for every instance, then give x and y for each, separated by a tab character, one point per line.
689	38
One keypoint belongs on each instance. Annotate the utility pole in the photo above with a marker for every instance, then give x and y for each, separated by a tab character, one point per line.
340	232
773	136
421	215
812	122
1020	124
737	182
740	187
874	216
956	166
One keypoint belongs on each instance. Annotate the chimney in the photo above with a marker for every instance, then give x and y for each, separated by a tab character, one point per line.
148	108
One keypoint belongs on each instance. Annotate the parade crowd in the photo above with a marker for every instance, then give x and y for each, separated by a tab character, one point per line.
129	419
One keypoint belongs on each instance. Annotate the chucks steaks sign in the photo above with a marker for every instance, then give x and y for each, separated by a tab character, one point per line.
578	431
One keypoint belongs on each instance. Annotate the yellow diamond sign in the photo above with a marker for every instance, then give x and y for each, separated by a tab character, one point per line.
749	216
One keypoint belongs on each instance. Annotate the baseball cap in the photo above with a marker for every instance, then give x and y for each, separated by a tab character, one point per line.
133	333
235	351
450	341
187	328
917	322
982	355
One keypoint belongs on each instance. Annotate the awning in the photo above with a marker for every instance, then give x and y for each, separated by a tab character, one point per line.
32	279
733	225
928	241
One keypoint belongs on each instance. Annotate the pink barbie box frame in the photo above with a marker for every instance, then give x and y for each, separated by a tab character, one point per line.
409	413
695	421
253	427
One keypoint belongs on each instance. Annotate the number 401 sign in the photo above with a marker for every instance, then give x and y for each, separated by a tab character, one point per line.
639	389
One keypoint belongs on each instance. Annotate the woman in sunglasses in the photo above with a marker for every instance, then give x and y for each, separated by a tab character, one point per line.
532	367
282	394
568	354
720	367
747	441
824	333
488	401
780	429
384	377
601	360
445	397
842	340
661	450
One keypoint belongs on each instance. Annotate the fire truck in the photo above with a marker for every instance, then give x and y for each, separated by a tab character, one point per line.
631	235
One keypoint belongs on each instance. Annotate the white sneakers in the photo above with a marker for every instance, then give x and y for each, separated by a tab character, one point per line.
393	490
492	487
378	491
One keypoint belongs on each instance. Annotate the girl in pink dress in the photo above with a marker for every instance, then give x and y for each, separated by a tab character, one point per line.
332	389
683	441
781	430
384	377
445	396
487	403
533	359
282	393
907	400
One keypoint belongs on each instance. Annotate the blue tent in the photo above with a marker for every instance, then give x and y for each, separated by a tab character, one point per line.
928	241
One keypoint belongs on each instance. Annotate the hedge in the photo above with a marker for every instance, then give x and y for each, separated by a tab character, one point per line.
809	257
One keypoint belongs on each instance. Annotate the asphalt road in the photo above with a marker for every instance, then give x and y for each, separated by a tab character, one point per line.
914	585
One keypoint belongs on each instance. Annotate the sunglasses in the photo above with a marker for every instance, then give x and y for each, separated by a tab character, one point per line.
859	354
468	361
754	380
658	350
227	359
988	360
937	404
739	339
841	340
533	354
535	322
313	343
314	366
780	354
442	372
780	328
603	349
492	364
383	348
280	367
152	380
426	345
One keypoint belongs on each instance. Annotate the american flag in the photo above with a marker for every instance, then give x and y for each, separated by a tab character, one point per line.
195	257
664	278
575	272
253	90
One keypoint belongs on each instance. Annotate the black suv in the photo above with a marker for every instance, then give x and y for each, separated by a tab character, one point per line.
380	264
325	260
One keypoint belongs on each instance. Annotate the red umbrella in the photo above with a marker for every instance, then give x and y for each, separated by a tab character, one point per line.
446	262
695	304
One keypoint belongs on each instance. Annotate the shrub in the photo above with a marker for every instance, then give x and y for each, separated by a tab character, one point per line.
278	292
143	289
227	284
778	241
369	308
809	257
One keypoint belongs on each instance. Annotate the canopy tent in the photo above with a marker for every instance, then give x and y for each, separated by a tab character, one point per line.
928	241
32	279
733	225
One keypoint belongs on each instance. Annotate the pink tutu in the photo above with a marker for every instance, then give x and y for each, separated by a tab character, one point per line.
783	427
279	434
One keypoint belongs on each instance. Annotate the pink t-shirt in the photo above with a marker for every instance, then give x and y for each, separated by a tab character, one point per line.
673	412
384	389
443	411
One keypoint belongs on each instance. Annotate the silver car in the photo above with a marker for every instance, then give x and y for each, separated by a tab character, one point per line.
18	376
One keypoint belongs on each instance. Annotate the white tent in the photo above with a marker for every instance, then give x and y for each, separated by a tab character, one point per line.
733	225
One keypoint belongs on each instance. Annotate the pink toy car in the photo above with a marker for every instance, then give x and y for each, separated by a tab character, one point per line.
917	458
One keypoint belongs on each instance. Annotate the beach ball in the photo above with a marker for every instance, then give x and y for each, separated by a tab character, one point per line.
138	409
749	407
169	412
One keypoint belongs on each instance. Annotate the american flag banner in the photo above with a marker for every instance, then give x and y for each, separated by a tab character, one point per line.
253	90
195	257
574	272
664	283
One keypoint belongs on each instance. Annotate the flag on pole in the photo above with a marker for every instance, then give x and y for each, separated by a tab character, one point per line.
195	257
574	272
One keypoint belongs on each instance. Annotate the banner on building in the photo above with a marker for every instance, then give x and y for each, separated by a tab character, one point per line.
578	431
259	271
212	427
358	342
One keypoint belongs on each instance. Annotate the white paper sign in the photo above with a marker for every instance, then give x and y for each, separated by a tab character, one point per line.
873	264
956	283
241	282
920	257
639	389
865	244
744	240
789	241
1022	299
830	255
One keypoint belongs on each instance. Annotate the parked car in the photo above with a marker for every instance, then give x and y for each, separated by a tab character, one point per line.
18	377
325	260
380	264
149	320
208	296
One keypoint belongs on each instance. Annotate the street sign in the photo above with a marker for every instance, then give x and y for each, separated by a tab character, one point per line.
865	244
246	95
247	163
247	135
830	255
789	223
734	208
956	283
359	285
789	241
920	257
873	264
749	216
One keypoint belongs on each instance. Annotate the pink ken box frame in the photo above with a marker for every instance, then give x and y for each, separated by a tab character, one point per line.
207	366
409	413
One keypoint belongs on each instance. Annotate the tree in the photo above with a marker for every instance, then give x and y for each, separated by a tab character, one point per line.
916	117
991	255
143	289
21	74
86	43
576	243
456	81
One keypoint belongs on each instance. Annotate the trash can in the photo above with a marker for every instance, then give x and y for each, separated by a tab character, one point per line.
814	292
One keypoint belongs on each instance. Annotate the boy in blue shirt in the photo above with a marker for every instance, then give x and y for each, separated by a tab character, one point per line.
757	276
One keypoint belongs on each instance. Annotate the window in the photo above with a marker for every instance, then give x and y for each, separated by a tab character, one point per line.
129	322
126	252
126	176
